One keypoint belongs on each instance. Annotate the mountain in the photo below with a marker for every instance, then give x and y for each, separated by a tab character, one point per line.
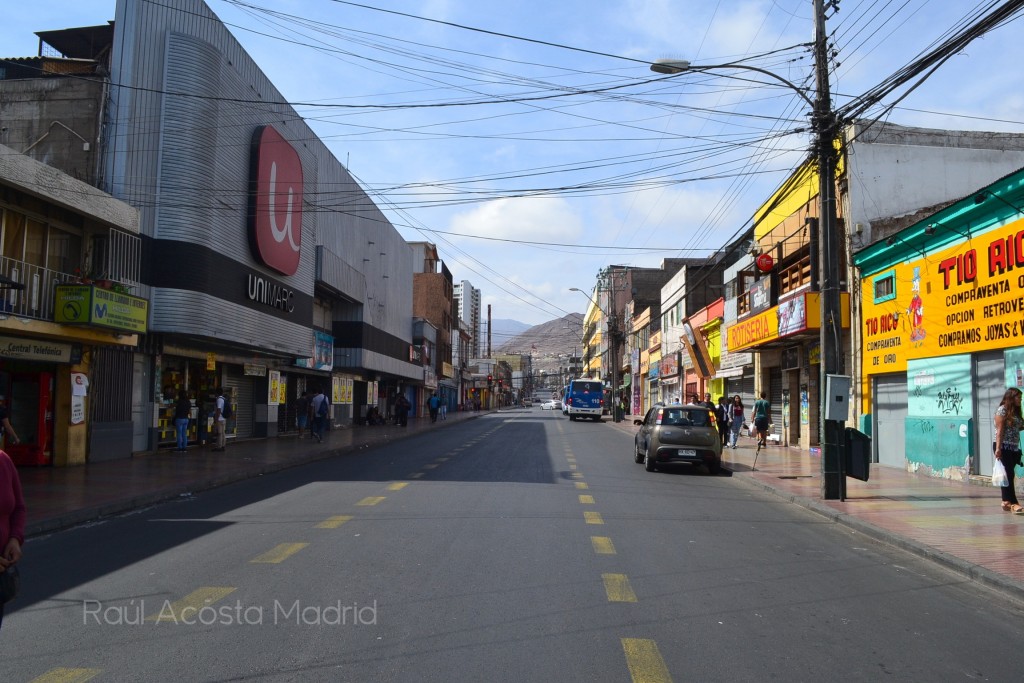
553	338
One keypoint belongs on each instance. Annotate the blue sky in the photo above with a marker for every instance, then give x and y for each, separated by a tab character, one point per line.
568	160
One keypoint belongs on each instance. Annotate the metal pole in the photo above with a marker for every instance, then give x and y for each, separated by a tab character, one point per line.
829	245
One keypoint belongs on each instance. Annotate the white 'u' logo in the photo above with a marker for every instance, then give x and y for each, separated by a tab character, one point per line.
279	235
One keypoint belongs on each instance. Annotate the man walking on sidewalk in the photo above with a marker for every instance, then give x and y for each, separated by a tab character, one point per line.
221	411
761	418
433	404
321	410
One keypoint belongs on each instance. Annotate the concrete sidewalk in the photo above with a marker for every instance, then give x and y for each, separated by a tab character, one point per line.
957	524
59	497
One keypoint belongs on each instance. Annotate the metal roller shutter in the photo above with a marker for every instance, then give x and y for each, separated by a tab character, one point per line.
775	397
890	417
241	389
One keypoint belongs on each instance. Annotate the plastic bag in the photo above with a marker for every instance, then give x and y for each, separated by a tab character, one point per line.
999	477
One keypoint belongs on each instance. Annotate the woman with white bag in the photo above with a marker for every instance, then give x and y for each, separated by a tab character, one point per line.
1008	423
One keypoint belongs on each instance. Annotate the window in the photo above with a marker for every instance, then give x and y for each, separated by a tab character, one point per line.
884	287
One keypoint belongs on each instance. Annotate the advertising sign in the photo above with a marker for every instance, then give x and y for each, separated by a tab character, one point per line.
959	300
32	349
275	201
99	307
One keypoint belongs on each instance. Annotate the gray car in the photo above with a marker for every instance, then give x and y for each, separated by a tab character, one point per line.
678	433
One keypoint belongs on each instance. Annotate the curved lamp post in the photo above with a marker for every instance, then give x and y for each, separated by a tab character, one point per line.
833	483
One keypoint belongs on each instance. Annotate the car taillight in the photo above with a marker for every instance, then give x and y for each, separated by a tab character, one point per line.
602	401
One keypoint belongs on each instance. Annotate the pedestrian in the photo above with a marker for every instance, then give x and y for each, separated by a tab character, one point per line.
402	406
722	417
221	411
433	404
707	403
320	407
444	408
302	413
12	517
736	414
182	414
6	430
760	418
1006	442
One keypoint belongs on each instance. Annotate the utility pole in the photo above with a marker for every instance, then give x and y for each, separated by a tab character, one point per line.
829	246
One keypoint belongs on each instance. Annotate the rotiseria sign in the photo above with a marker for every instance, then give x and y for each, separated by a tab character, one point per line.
966	298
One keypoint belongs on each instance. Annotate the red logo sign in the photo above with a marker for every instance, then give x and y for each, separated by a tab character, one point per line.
765	263
275	201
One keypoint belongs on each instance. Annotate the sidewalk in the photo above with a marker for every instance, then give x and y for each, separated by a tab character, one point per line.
59	497
959	525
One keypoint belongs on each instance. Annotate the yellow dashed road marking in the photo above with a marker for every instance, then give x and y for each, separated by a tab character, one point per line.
586	499
593	517
415	475
370	500
582	485
575	475
430	466
602	545
572	467
618	589
334	522
644	661
444	459
66	675
188	607
278	553
397	486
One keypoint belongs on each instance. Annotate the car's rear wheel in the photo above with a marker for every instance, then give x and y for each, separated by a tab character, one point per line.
715	467
572	418
648	461
638	457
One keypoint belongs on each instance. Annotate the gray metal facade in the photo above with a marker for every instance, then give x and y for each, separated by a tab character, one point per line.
178	147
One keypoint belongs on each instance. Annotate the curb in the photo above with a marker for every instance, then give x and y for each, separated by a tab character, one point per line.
101	512
986	577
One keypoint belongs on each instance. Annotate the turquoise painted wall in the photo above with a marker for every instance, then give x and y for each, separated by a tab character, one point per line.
939	423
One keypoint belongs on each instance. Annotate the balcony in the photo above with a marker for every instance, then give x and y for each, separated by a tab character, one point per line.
36	299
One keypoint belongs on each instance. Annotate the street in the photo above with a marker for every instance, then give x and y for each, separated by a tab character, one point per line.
515	547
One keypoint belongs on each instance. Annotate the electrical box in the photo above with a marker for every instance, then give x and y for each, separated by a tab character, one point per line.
837	397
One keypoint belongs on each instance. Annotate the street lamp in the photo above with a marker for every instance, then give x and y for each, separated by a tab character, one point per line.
612	332
825	127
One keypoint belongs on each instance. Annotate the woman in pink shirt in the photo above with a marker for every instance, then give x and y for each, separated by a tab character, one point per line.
12	517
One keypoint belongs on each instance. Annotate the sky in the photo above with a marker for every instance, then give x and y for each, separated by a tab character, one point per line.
531	142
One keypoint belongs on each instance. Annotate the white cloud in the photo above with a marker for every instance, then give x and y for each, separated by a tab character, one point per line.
530	219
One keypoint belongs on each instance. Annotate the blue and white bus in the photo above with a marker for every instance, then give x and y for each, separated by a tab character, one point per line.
584	398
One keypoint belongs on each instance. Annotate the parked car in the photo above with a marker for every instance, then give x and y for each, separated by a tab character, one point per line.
553	404
678	433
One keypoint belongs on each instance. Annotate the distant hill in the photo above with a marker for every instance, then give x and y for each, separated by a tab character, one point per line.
553	338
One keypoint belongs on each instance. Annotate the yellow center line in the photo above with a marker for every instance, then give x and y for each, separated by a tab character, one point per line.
278	553
415	475
602	545
370	500
575	475
618	589
444	459
397	486
593	517
572	467
586	499
66	675
189	606
644	661
430	466
334	522
582	485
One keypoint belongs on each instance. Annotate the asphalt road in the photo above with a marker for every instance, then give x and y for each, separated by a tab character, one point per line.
516	547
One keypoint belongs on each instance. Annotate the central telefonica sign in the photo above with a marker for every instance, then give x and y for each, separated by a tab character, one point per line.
275	201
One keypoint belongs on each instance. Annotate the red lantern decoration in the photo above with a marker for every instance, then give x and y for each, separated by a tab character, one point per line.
765	263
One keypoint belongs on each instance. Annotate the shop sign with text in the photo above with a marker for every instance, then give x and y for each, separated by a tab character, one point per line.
963	299
99	307
15	348
801	313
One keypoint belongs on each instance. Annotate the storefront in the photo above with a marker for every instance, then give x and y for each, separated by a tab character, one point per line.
942	336
772	335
